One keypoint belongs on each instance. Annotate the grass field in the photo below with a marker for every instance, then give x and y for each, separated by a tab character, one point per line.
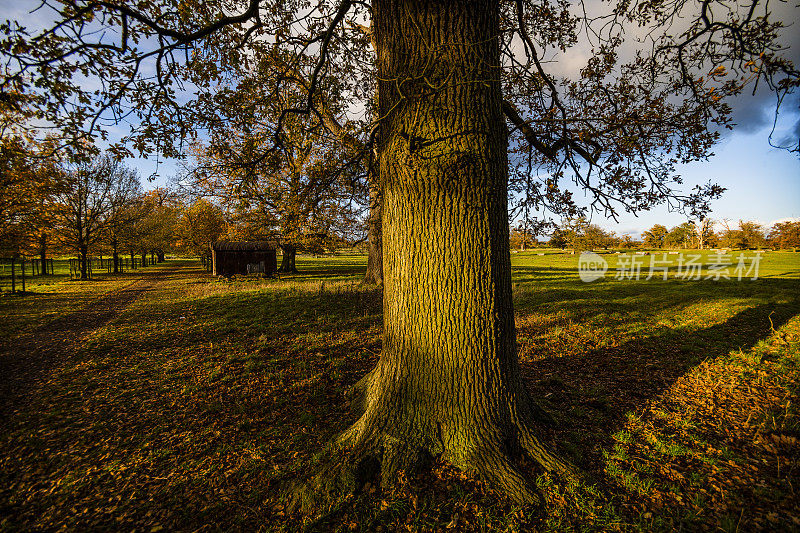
52	296
196	404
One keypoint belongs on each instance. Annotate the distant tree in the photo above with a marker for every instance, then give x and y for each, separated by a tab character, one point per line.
753	233
656	236
785	234
558	239
125	234
527	232
157	229
302	193
521	239
29	182
575	232
99	191
680	236
199	225
597	237
580	235
704	235
748	235
122	230
627	242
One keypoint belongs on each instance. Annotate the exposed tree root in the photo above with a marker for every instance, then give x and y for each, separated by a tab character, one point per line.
507	457
371	278
503	473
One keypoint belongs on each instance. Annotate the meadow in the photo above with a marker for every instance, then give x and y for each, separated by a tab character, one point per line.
192	402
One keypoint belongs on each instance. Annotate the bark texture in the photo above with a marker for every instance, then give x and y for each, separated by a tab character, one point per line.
288	255
43	252
115	254
374	272
448	382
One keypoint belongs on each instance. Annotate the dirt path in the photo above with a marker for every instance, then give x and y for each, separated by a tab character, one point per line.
27	360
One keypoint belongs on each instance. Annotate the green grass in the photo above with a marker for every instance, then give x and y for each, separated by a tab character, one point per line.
200	402
51	296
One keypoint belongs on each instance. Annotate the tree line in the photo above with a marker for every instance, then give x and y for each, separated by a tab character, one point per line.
80	207
580	234
90	205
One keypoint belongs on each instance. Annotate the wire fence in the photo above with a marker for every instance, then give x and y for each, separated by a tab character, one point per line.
18	273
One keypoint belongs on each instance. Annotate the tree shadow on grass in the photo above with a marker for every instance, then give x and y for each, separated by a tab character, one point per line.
259	318
169	430
647	444
591	391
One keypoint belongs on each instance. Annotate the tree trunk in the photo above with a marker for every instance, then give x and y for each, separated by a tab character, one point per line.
288	254
374	272
115	255
160	256
43	252
144	258
84	251
448	382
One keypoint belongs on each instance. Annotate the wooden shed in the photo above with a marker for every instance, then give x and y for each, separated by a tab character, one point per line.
243	257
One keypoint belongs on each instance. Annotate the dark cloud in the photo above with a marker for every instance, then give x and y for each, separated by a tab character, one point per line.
792	140
752	113
756	112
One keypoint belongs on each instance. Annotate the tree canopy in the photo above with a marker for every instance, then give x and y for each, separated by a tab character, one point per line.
653	91
99	193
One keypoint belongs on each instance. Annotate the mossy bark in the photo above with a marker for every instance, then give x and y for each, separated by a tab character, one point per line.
374	273
448	382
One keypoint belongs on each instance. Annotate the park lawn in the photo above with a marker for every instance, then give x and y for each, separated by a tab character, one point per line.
203	400
48	297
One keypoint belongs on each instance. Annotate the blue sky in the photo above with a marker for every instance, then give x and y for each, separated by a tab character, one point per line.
763	184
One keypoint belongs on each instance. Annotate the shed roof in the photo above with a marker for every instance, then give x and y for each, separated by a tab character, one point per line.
242	246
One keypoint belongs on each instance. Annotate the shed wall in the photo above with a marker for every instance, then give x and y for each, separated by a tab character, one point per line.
235	262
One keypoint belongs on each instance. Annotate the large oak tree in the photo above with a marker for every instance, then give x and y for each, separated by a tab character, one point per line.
451	78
